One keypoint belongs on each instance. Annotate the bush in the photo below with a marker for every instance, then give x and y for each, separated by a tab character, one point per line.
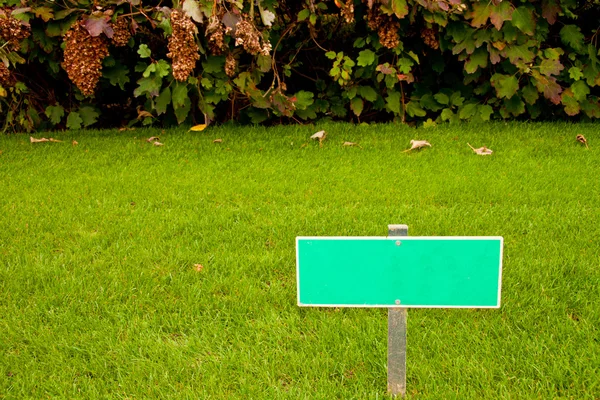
111	63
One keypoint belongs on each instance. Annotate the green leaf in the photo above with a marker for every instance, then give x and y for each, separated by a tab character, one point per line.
575	73
485	111
162	101
302	15
357	105
467	111
89	115
530	94
479	59
144	51
551	67
571	35
524	20
447	114
44	13
303	99
55	113
580	90
456	99
400	8
553	53
514	106
405	65
74	121
264	63
367	93
162	68
393	102
571	104
331	55
506	85
179	95
350	93
501	13
117	75
149	86
428	101
516	53
413	108
591	107
182	112
365	58
441	98
480	14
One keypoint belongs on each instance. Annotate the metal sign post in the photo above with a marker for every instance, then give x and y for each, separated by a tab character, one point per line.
396	359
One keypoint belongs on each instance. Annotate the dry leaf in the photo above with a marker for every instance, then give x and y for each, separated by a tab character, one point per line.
351	144
126	129
582	139
218	141
144	114
482	151
40	140
198	128
55	140
417	144
74	143
319	135
157	143
198	267
153	139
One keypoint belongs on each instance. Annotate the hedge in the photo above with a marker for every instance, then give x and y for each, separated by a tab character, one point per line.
115	63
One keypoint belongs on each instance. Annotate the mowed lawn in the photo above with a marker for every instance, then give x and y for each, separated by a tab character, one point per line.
135	271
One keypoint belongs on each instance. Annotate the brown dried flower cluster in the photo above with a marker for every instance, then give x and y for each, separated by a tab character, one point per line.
347	12
183	49
215	32
6	78
83	57
230	65
429	37
248	36
385	26
12	30
122	33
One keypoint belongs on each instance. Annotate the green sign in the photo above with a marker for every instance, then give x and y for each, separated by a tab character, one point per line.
405	271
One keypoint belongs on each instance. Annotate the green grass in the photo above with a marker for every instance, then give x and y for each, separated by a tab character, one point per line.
99	296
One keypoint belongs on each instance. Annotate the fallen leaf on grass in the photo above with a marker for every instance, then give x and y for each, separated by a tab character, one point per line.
126	129
351	144
153	139
582	139
218	141
417	144
41	140
320	136
482	151
158	144
74	143
198	267
198	128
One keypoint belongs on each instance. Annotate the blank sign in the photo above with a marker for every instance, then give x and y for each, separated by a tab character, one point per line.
405	271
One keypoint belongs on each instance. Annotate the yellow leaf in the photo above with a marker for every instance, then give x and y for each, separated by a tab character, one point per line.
198	128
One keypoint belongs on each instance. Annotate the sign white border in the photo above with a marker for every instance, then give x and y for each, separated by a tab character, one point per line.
396	238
